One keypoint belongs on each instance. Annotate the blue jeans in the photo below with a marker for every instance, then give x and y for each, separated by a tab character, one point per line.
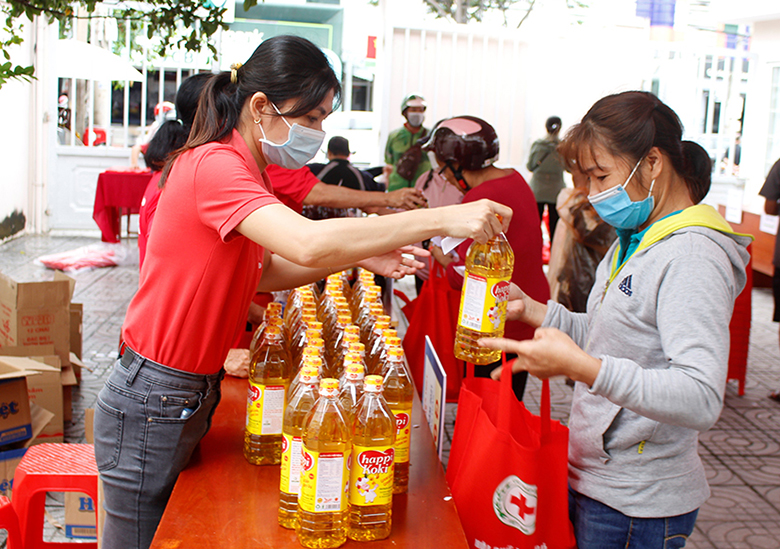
148	420
598	526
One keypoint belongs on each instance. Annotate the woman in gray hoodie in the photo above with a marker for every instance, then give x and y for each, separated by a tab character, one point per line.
650	355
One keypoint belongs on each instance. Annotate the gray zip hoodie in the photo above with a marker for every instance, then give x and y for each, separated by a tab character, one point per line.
661	329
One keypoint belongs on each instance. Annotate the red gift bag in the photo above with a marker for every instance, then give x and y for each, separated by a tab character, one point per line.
508	469
434	313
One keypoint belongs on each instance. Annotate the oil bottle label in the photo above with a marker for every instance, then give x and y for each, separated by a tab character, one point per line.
483	303
403	435
290	480
371	476
265	409
324	481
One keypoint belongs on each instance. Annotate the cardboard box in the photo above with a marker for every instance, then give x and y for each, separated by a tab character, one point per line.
76	330
12	454
43	389
15	418
79	508
79	516
36	313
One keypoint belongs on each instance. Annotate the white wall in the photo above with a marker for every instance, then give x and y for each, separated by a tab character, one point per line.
15	145
755	165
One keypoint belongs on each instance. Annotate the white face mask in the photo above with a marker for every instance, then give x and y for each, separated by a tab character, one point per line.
415	118
301	146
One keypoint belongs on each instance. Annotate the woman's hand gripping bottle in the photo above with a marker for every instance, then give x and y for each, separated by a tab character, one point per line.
302	400
371	477
483	299
269	377
326	443
399	394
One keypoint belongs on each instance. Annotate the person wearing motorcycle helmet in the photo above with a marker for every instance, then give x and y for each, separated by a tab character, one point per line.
466	149
403	157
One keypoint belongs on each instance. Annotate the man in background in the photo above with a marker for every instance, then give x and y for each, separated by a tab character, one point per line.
339	171
404	159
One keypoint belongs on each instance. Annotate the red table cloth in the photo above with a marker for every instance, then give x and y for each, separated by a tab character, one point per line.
117	190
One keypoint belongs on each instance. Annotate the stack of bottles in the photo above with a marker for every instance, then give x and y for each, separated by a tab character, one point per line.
330	400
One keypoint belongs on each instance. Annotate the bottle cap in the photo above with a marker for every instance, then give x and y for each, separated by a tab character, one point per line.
354	371
396	353
352	329
311	333
372	384
329	387
314	361
393	341
309	374
389	332
273	331
383	318
316	342
273	308
357	347
351	338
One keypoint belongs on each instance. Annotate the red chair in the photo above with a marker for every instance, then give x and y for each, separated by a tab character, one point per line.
52	468
10	522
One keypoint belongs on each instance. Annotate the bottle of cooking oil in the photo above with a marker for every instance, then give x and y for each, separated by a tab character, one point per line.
399	394
326	448
272	310
359	350
302	400
311	357
269	377
377	355
483	299
382	361
371	475
351	389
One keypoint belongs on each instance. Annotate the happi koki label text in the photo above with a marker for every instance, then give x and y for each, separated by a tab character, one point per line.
290	480
371	476
403	435
483	303
265	409
324	481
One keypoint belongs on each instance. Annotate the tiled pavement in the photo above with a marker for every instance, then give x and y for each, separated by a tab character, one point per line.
741	453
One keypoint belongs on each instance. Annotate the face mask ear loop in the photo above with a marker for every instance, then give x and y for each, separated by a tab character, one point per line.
280	114
633	172
650	193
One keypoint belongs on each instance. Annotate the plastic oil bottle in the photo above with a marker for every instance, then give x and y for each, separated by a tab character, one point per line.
269	377
483	299
301	402
371	477
351	387
399	394
326	448
272	310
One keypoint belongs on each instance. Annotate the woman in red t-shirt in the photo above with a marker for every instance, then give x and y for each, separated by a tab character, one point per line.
466	148
218	228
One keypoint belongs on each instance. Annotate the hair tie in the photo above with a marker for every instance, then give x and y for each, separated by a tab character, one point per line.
234	72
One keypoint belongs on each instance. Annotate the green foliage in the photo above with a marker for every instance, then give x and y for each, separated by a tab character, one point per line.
199	19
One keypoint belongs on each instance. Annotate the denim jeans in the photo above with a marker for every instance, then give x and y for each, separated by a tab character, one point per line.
598	526
148	420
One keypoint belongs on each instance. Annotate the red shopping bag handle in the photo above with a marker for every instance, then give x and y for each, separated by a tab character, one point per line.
506	394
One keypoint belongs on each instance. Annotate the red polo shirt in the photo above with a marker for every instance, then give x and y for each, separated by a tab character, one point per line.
199	274
291	186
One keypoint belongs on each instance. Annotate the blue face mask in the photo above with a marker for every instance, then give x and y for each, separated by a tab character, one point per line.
616	208
301	145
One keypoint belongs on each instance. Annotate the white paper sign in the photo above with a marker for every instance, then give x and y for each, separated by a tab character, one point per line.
433	394
768	223
734	206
